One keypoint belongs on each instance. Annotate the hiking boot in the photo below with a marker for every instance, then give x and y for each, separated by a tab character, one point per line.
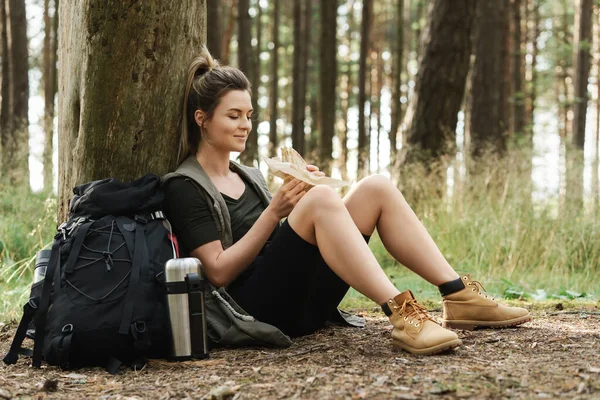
415	331
470	308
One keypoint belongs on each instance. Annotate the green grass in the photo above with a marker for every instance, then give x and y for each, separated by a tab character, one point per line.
488	227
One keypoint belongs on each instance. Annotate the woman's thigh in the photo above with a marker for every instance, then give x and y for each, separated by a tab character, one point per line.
290	285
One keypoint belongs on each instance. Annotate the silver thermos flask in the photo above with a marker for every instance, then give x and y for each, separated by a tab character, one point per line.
185	298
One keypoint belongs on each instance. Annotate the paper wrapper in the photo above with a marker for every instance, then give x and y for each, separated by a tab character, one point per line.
292	165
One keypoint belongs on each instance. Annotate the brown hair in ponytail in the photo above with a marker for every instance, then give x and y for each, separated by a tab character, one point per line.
207	82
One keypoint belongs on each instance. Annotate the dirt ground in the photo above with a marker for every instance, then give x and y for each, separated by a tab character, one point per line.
555	356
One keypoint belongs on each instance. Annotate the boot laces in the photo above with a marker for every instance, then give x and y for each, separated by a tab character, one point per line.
412	310
479	287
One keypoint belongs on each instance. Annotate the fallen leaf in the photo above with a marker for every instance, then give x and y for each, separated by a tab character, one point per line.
75	376
594	369
311	379
533	345
5	394
256	369
219	393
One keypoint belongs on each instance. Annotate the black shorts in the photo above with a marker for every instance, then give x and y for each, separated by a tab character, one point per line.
289	285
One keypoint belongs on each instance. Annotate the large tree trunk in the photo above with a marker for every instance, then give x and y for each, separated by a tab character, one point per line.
486	127
582	72
274	80
506	95
397	69
433	110
534	58
15	145
214	27
363	152
328	81
50	88
121	82
299	82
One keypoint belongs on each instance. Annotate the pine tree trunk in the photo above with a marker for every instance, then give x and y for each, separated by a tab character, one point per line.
486	131
121	83
5	115
582	71
246	64
518	94
299	82
49	52
397	80
16	147
228	32
534	58
274	80
434	106
328	82
506	96
363	144
214	27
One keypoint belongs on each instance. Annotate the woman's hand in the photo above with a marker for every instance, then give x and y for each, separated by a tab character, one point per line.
286	198
314	169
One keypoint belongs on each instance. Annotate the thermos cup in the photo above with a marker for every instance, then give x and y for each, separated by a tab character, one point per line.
185	298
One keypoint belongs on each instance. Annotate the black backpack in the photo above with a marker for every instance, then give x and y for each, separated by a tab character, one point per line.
102	301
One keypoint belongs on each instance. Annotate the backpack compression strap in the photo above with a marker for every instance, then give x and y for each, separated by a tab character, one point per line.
29	310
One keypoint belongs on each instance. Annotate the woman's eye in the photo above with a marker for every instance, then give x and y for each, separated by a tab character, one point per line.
233	117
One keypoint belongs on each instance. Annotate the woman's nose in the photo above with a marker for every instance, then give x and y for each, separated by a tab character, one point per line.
246	123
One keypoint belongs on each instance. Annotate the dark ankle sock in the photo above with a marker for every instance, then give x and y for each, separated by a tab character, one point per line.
386	309
451	287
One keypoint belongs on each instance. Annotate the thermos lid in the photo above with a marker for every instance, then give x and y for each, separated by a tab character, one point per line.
43	256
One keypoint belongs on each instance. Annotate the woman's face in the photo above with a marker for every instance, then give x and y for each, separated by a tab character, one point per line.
230	124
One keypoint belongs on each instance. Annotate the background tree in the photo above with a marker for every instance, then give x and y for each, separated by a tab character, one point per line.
487	131
50	87
299	73
214	27
15	132
431	118
119	96
363	138
397	77
274	80
328	81
582	70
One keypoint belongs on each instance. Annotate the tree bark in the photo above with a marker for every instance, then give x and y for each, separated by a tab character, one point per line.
228	33
328	81
363	152
273	140
246	62
517	78
534	57
50	88
214	27
486	127
433	110
397	69
16	145
5	116
299	82
506	95
582	71
122	73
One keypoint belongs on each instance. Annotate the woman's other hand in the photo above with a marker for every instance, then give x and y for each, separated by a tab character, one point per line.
287	197
314	169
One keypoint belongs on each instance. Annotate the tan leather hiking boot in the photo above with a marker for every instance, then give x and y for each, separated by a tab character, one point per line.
415	331
470	308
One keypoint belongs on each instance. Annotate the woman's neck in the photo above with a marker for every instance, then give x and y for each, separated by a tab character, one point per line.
215	164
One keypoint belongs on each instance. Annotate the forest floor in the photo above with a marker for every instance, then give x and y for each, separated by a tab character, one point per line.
557	355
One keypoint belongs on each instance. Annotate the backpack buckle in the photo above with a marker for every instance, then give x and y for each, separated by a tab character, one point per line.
141	219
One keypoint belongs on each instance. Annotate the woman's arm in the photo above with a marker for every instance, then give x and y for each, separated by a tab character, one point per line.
221	266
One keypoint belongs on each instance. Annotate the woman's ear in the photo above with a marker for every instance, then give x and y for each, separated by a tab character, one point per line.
200	117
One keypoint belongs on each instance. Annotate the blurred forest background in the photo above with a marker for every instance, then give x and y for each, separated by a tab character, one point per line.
485	113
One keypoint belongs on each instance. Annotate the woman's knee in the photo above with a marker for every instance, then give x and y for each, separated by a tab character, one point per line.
376	184
324	196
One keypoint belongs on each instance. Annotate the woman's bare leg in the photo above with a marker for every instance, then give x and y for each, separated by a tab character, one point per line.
321	218
376	202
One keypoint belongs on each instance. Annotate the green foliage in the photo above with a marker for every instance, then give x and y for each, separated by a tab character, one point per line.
489	226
